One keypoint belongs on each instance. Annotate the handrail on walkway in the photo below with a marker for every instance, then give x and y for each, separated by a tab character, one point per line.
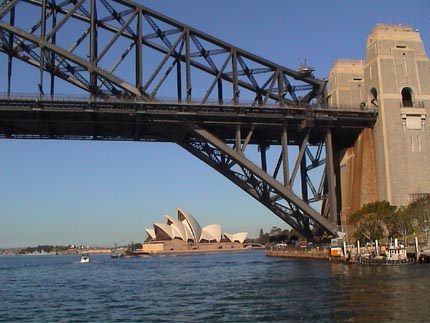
170	101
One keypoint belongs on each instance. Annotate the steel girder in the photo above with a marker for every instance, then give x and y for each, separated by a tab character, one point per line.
94	44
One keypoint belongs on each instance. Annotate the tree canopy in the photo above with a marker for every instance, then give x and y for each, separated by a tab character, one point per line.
420	211
370	220
381	219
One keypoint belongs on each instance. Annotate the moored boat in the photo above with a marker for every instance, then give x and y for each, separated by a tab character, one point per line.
85	258
135	254
388	254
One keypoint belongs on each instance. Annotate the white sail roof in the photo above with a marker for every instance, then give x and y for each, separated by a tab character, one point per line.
177	227
163	231
150	233
238	237
188	220
211	232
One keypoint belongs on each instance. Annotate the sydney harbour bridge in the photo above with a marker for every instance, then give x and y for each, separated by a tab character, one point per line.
122	58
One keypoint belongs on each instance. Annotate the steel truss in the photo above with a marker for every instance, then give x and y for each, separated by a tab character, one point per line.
94	44
277	196
105	35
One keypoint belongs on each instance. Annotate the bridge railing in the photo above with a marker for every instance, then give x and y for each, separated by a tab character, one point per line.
131	102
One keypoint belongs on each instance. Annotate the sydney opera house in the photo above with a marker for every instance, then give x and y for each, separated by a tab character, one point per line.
184	233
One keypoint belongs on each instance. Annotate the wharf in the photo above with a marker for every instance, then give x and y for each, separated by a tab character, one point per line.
385	255
314	253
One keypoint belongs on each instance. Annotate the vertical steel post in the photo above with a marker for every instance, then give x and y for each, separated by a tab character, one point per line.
263	149
93	48
235	78
238	140
331	180
179	80
304	184
42	49
185	39
285	166
139	51
304	181
188	64
280	88
10	57
220	95
52	59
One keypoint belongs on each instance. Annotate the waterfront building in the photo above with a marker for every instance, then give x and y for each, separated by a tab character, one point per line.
185	227
184	233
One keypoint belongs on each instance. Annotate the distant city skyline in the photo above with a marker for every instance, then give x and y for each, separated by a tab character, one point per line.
98	193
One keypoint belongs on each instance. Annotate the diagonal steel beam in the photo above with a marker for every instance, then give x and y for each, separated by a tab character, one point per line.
277	187
76	59
245	180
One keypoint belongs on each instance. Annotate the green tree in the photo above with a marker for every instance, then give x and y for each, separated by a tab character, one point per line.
419	211
282	237
261	235
295	236
370	220
399	223
264	237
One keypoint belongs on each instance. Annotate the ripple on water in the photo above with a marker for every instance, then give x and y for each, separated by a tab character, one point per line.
221	287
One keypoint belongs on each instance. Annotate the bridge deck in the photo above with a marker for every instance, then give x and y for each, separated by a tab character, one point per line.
57	118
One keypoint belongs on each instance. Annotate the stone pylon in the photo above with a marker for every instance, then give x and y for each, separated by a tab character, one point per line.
392	161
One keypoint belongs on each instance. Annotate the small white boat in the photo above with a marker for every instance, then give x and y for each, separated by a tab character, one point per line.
85	257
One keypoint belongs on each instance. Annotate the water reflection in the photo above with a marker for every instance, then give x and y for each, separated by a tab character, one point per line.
381	293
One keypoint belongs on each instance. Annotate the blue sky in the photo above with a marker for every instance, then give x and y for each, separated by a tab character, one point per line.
95	193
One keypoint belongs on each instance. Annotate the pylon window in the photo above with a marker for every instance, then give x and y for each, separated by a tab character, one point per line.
407	97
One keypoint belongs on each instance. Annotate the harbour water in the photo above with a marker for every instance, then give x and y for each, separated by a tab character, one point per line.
217	287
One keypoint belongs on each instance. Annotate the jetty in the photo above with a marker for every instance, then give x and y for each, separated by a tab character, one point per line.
288	251
390	253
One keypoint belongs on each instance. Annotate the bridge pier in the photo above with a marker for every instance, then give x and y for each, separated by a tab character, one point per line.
390	161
